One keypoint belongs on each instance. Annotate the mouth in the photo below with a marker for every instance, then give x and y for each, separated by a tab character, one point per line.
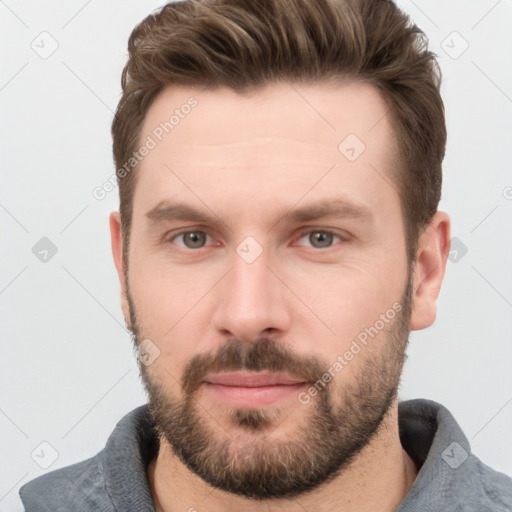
252	380
252	390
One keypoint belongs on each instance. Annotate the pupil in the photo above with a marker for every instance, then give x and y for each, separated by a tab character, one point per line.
320	239
194	240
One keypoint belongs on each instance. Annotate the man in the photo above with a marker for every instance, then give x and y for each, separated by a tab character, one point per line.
279	168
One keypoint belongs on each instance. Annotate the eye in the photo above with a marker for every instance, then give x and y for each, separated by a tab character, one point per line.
191	239
320	239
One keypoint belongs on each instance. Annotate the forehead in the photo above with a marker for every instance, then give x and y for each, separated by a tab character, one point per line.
284	137
314	112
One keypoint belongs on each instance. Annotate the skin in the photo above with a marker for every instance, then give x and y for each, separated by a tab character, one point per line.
248	158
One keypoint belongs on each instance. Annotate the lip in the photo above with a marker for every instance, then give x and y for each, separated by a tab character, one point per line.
252	380
252	390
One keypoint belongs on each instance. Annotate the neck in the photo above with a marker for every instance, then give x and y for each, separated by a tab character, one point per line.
377	479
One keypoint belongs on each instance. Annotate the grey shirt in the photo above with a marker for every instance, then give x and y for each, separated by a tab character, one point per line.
450	478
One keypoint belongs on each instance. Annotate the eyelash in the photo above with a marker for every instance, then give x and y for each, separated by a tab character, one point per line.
303	233
325	232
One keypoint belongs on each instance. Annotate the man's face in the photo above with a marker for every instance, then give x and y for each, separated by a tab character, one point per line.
294	271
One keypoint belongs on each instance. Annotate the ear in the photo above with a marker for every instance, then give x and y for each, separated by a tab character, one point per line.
117	253
428	272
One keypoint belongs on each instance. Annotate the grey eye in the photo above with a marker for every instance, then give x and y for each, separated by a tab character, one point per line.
193	239
321	239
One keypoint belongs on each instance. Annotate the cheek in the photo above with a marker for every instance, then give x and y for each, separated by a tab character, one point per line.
170	303
344	299
167	293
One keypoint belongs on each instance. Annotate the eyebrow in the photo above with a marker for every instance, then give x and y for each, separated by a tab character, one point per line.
166	212
335	208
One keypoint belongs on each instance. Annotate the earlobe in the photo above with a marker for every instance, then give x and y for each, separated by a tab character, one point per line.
429	269
117	253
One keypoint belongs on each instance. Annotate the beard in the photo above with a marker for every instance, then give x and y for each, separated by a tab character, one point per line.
335	427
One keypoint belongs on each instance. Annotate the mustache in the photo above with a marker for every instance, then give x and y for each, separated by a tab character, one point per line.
263	354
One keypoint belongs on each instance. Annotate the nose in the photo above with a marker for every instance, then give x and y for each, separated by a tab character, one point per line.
251	301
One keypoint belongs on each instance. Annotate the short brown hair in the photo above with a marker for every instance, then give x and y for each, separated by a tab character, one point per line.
247	44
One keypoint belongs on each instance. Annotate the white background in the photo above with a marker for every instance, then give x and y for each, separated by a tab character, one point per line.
68	373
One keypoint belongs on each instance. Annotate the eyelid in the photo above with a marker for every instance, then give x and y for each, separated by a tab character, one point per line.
170	237
335	233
